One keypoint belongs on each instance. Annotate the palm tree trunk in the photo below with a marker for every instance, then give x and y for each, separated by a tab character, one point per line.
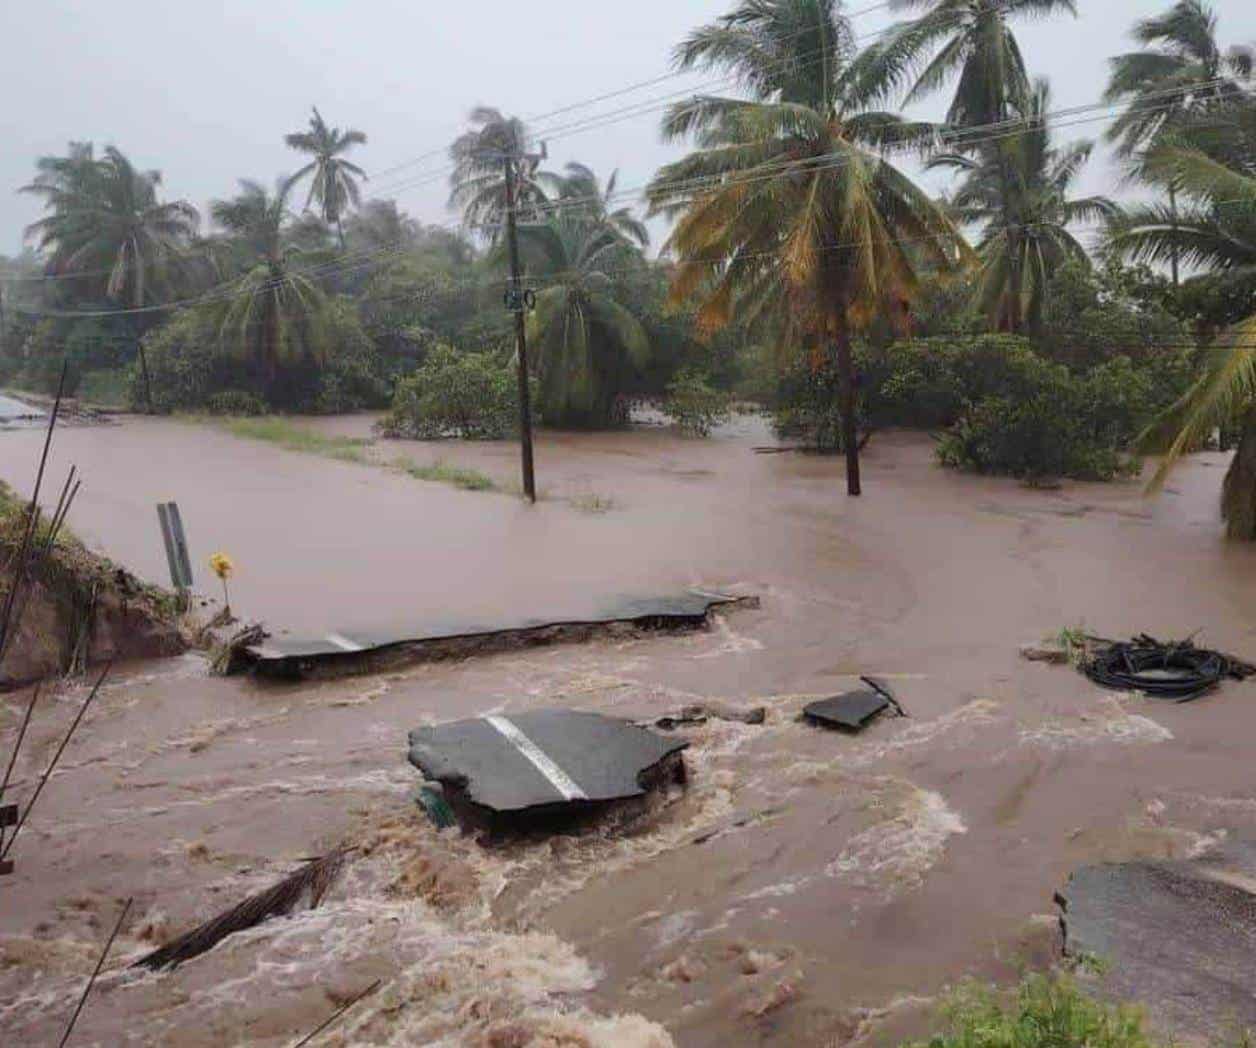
340	229
1015	281
270	357
1173	256
846	375
1238	493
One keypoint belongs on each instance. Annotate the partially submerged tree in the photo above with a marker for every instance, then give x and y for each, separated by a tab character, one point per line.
789	209
1214	165
333	179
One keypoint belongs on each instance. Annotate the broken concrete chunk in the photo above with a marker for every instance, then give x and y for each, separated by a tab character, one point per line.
360	650
849	712
1179	936
549	762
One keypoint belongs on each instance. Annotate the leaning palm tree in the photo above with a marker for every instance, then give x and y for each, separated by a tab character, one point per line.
478	181
971	40
586	344
106	223
789	211
1040	209
333	179
1214	167
1180	73
270	313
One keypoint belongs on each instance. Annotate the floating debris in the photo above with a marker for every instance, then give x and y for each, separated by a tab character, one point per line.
311	882
701	712
1174	670
853	710
498	769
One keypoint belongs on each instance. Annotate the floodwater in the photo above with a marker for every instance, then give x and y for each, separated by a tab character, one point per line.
806	888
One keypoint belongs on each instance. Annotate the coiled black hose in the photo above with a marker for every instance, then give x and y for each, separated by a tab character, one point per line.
1177	671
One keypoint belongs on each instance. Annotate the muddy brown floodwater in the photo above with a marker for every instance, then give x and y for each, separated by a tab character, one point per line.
806	888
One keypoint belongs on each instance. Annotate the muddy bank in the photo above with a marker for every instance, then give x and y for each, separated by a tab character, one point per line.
75	609
804	888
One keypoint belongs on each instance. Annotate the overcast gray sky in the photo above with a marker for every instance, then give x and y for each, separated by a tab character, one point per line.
206	91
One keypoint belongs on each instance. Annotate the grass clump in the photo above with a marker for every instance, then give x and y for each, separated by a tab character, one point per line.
291	437
1048	1011
280	431
467	479
592	502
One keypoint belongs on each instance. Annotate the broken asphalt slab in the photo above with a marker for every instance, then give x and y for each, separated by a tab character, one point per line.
543	762
853	710
1176	936
351	650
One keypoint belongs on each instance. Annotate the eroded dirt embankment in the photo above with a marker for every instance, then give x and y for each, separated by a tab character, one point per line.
74	608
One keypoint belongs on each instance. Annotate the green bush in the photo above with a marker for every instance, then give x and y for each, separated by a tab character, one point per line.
1063	426
467	395
235	402
1048	1012
1004	408
694	405
929	383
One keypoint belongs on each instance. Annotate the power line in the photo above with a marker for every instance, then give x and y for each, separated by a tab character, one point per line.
784	168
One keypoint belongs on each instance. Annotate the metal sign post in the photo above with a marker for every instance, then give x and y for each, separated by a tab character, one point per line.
176	547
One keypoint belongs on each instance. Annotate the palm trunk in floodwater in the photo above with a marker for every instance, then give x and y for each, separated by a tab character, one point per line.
850	441
1238	493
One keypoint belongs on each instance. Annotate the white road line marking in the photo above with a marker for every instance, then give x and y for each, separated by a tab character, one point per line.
343	642
558	778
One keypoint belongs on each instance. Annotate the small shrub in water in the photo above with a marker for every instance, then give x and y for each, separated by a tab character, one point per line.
695	405
466	395
235	402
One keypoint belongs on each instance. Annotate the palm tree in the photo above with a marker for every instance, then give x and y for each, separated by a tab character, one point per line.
334	180
579	187
270	313
106	223
1040	210
1214	166
1180	73
788	209
586	343
478	182
971	39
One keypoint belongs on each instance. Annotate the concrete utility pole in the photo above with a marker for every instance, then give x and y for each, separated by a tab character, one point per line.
516	302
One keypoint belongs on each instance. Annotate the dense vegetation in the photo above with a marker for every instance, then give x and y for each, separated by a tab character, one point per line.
804	266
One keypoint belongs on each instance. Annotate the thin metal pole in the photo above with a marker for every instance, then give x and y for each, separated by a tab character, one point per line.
521	336
53	763
337	1014
99	964
28	535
